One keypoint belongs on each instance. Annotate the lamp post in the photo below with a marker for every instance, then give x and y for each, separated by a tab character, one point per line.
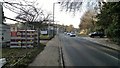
54	13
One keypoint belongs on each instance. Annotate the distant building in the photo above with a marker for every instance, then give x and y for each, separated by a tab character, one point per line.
47	31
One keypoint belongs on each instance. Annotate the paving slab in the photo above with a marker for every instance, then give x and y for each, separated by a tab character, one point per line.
49	56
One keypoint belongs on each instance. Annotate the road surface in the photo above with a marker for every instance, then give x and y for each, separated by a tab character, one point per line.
81	52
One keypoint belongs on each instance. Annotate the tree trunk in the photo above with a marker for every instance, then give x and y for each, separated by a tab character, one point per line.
38	45
26	34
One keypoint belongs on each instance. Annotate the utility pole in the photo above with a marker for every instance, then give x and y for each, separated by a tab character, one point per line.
54	15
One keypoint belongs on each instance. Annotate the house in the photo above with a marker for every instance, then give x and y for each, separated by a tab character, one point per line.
5	35
18	37
1	25
4	31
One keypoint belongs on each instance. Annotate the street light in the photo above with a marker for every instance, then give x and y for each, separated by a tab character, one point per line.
54	11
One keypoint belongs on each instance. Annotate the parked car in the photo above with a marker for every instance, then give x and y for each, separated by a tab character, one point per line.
65	33
68	33
93	34
72	34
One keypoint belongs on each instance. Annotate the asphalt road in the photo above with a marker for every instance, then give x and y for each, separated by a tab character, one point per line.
81	52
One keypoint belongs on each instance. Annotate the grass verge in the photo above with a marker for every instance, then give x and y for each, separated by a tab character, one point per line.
45	37
20	57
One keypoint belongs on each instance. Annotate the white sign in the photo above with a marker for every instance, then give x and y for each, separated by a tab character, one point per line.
43	32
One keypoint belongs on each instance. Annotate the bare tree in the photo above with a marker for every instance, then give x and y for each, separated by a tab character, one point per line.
76	5
70	5
84	6
27	11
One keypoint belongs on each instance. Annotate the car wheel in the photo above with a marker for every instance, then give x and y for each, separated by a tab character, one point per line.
101	36
92	36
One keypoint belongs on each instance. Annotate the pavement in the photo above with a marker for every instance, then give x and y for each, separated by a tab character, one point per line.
104	42
50	56
44	41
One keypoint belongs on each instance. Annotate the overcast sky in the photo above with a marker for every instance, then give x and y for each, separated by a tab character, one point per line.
61	17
